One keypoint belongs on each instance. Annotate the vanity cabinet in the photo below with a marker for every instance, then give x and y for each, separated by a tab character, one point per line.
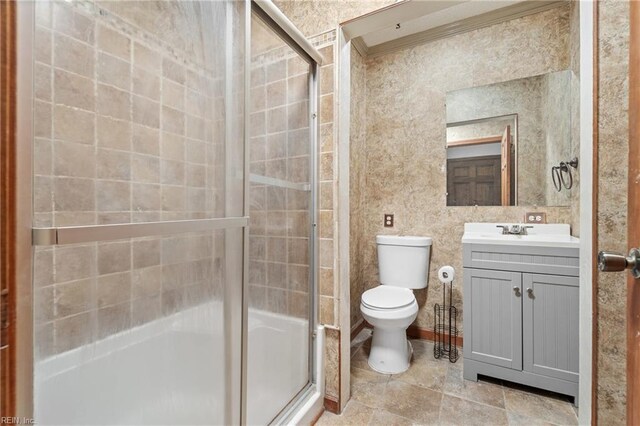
521	315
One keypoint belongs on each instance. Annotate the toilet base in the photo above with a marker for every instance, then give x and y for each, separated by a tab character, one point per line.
390	351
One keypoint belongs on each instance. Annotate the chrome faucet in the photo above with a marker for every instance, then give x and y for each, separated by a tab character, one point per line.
514	229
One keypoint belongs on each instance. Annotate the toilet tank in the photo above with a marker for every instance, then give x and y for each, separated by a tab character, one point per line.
403	261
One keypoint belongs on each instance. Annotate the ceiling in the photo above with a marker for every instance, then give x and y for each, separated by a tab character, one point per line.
412	22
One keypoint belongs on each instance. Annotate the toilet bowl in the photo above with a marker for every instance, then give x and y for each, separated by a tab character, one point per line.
391	307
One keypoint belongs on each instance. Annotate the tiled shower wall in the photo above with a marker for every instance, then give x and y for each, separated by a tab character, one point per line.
129	127
279	148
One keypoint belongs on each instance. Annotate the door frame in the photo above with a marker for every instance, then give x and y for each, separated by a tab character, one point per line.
633	292
588	208
17	224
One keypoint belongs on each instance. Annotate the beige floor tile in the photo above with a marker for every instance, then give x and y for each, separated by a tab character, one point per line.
368	386
457	411
485	392
413	402
543	407
354	413
359	359
425	371
385	418
516	419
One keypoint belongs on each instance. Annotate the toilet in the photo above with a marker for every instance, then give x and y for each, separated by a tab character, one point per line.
391	307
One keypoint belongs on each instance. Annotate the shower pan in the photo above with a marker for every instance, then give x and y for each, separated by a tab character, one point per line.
173	214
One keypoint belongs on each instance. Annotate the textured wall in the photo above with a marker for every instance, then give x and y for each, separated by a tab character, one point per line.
613	127
405	138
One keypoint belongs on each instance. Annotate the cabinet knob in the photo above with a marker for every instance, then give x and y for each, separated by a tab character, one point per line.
516	290
530	293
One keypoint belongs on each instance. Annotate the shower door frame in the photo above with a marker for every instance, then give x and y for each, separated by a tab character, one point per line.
235	299
276	21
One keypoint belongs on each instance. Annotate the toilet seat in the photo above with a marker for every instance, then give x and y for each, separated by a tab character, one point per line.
384	298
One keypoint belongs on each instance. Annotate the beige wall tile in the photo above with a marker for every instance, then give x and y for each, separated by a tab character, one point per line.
74	262
113	164
113	289
73	297
326	310
147	282
146	58
146	140
173	71
114	134
74	159
146	197
73	194
73	90
73	56
172	120
145	168
146	83
73	125
67	21
173	94
113	102
113	319
42	45
114	71
71	332
113	42
113	196
42	82
326	281
114	257
146	112
146	253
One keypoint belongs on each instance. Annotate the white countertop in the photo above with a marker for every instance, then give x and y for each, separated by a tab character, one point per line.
547	235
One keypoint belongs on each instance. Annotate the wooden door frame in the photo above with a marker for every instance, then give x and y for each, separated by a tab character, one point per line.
16	103
633	291
8	125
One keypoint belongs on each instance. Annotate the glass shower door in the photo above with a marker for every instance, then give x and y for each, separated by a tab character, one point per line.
138	211
281	237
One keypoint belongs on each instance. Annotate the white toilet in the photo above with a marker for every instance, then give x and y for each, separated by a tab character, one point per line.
391	307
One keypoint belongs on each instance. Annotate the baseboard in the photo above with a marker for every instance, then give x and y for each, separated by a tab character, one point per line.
422	333
331	405
355	330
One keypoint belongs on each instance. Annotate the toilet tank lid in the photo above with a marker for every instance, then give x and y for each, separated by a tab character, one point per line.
397	240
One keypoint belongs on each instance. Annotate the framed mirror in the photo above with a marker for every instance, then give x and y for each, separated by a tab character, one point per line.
503	140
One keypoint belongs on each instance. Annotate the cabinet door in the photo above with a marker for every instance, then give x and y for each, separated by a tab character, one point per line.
493	317
550	325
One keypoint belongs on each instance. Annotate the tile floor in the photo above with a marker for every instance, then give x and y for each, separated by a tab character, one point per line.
433	392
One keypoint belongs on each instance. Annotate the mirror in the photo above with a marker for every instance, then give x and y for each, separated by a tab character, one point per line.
504	139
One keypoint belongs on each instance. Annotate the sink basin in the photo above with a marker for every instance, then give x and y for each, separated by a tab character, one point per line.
549	235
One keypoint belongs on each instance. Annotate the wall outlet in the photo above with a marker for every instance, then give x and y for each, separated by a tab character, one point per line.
535	217
388	220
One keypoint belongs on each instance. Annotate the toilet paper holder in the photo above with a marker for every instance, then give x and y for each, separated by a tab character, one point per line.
445	327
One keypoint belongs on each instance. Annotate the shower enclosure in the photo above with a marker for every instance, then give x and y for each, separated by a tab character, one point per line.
173	182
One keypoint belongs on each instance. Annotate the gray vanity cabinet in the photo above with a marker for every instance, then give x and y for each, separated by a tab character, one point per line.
550	325
521	315
495	317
